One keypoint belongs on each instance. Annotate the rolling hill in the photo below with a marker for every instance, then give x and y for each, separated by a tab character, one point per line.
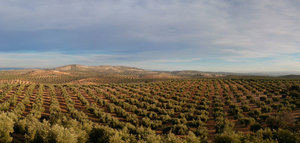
81	74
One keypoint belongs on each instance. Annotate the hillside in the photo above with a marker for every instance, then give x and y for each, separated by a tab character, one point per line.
81	74
110	69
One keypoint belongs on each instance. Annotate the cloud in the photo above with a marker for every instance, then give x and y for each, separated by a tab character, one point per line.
51	59
160	31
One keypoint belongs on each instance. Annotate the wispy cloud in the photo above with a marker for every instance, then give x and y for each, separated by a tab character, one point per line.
167	34
51	59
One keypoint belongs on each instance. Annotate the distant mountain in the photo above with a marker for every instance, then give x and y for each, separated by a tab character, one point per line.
107	69
291	76
100	69
1	69
17	68
275	74
193	73
81	74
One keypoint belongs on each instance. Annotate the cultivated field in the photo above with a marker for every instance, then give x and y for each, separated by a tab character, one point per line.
190	110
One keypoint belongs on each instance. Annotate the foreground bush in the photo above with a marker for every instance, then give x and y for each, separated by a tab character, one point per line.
286	136
229	137
100	135
6	128
63	135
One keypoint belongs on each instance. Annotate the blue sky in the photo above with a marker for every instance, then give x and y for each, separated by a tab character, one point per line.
215	35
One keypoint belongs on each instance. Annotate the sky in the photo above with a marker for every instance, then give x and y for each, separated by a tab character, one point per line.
214	35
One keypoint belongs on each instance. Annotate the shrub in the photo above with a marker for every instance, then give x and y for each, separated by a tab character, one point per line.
254	113
262	98
246	108
101	134
266	109
6	128
202	133
228	137
223	125
275	122
246	121
171	138
265	133
268	101
239	115
148	135
117	138
180	129
275	99
255	127
146	122
286	136
192	138
234	111
263	117
249	96
63	135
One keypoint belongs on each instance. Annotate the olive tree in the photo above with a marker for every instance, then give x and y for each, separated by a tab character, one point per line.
6	128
